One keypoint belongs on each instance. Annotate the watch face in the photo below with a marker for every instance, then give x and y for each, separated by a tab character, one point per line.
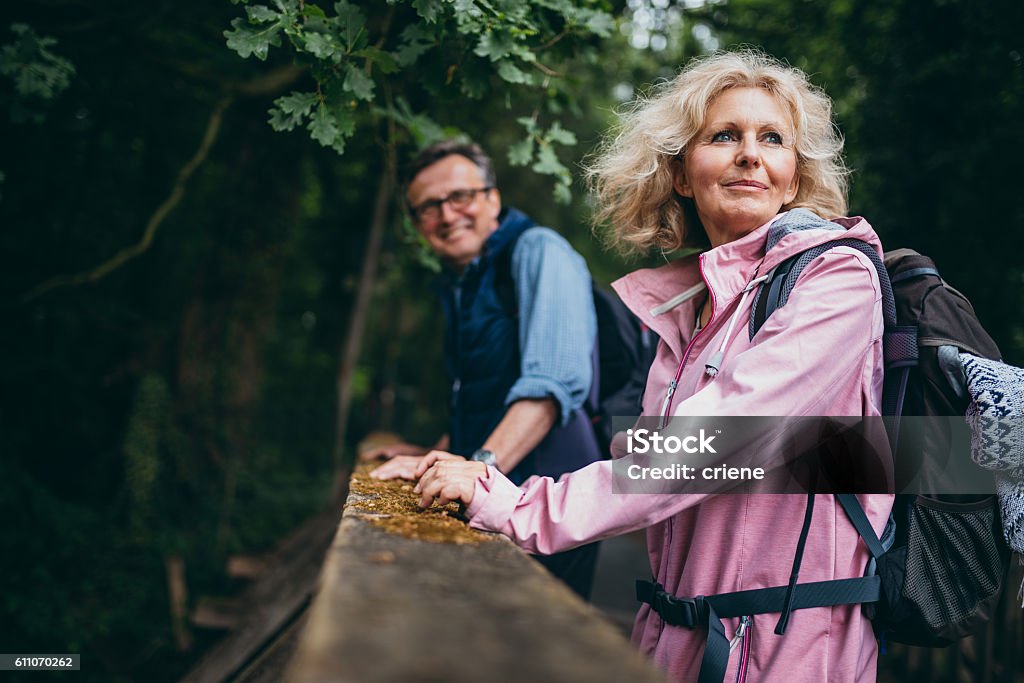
485	456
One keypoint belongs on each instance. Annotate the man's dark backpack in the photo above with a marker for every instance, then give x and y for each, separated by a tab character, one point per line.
942	560
624	348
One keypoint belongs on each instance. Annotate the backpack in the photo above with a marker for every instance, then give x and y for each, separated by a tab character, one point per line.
623	352
938	570
942	559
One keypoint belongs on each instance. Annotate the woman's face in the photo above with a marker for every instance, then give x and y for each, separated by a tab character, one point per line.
740	169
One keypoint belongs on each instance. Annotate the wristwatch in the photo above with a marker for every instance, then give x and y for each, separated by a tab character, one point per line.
485	456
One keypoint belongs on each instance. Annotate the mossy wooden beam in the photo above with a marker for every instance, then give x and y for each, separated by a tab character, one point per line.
394	609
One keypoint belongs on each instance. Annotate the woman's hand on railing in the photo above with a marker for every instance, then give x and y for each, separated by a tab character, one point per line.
445	477
407	466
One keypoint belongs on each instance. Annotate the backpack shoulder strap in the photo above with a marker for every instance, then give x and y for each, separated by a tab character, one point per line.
775	290
899	343
854	510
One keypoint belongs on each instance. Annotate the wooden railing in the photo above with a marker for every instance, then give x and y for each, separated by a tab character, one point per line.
411	597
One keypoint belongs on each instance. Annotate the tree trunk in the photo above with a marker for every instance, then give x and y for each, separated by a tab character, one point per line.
178	596
357	323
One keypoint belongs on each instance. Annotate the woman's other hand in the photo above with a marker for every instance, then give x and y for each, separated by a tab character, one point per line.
408	466
446	479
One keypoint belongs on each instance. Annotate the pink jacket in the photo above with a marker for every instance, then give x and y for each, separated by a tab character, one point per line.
820	354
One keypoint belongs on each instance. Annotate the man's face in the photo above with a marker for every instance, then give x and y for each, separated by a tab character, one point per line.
457	232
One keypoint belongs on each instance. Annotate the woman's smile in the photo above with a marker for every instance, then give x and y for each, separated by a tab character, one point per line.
746	185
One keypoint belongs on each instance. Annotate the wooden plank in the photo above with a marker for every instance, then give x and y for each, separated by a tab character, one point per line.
246	566
396	610
177	591
217	613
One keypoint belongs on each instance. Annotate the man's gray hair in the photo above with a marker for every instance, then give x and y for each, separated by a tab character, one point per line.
439	150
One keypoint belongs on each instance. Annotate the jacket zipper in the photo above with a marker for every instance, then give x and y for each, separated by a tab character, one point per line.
742	640
666	407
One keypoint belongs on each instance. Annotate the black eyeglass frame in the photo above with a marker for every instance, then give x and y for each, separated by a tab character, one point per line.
417	211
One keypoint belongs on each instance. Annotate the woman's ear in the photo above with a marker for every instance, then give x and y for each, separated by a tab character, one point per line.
679	183
793	189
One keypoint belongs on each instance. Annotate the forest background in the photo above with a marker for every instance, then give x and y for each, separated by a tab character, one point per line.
204	313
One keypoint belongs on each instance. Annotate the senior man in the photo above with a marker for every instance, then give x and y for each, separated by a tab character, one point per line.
519	338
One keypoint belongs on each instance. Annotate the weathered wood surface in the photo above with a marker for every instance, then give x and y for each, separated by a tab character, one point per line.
396	610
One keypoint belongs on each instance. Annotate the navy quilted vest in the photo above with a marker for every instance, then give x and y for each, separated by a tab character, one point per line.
482	358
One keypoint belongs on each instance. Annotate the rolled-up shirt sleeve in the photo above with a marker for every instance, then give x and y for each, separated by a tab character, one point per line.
557	323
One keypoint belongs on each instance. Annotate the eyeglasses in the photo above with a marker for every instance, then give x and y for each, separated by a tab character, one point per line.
430	210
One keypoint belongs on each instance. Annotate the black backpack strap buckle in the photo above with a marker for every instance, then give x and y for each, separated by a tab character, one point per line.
645	590
686	612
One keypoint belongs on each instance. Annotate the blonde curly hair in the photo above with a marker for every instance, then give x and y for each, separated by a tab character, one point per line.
632	172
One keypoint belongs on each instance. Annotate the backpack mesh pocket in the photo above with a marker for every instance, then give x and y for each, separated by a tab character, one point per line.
954	563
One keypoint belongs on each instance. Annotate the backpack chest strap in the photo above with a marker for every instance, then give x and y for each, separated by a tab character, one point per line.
708	611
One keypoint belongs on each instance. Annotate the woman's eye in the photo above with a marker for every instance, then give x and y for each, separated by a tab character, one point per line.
723	136
773	138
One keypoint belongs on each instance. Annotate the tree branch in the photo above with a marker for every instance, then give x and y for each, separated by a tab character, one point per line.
162	211
553	41
547	71
368	64
270	83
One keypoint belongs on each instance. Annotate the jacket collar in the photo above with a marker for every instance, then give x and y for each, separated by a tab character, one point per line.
665	298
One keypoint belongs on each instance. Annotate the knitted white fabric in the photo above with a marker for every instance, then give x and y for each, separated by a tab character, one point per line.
995	415
997	441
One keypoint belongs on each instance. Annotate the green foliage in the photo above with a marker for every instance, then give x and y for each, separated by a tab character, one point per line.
428	9
34	69
358	83
292	110
249	43
539	147
513	74
423	129
479	49
38	74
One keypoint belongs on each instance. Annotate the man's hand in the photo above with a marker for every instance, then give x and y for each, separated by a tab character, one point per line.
447	479
394	450
406	466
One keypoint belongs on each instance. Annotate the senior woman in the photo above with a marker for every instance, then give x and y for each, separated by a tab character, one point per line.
738	155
